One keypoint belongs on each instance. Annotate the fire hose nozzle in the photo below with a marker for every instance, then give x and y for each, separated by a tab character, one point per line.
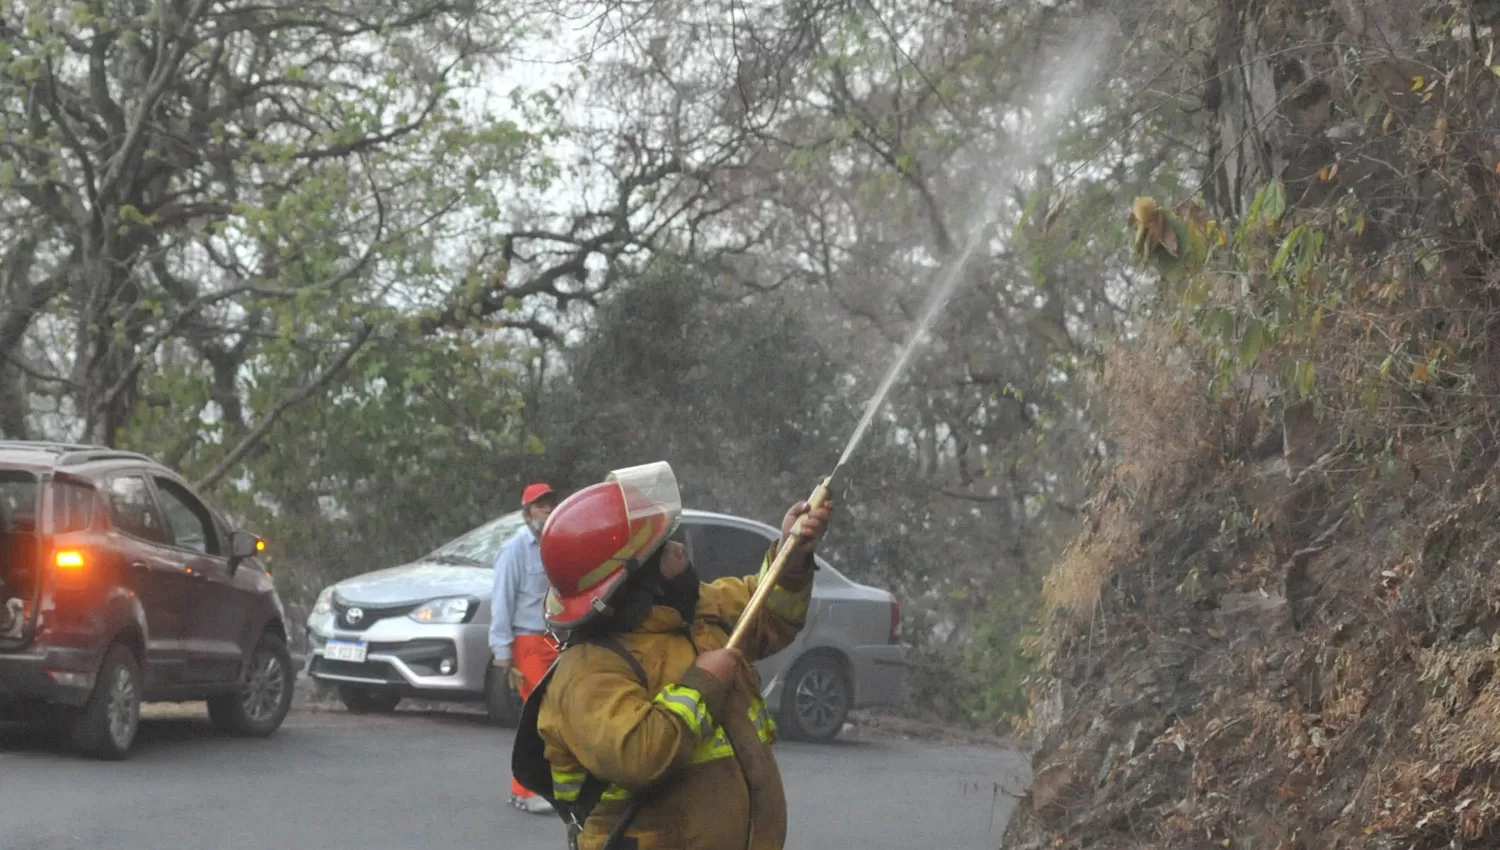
778	564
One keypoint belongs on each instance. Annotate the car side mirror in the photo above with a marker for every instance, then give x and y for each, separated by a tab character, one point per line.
243	545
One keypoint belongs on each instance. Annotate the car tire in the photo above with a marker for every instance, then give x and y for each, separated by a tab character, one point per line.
501	702
365	700
260	703
105	727
816	700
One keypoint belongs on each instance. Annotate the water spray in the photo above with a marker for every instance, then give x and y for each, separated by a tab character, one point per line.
1075	71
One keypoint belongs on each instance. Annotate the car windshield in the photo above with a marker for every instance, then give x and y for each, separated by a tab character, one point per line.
478	547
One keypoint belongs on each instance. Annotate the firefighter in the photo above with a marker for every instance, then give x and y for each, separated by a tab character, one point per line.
648	733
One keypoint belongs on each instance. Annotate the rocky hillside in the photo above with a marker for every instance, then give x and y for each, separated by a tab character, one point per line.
1279	628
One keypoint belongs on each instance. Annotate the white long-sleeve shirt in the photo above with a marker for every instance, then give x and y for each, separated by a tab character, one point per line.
520	588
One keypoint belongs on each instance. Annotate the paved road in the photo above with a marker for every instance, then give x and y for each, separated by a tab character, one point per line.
438	781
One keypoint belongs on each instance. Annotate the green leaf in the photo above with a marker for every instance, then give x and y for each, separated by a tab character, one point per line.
1253	341
1312	251
1252	215
1307	376
1286	247
1275	206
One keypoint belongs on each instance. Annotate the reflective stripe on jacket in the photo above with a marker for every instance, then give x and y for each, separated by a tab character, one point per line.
702	748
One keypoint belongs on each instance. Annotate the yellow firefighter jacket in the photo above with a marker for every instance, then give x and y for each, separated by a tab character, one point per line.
702	749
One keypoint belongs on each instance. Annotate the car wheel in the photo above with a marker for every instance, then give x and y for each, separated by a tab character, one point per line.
816	700
363	700
261	702
501	702
105	728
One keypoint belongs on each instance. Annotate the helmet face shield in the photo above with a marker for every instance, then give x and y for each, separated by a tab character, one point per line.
653	505
650	493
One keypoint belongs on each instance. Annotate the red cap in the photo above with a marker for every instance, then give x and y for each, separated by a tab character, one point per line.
534	492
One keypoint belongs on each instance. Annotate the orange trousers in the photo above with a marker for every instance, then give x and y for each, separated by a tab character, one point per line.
531	655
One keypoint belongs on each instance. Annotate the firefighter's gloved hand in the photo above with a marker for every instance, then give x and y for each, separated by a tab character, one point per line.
714	675
815	523
720	663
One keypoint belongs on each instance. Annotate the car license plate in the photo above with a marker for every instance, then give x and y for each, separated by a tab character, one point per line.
343	650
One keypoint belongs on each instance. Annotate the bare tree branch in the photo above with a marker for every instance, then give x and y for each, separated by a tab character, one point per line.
268	421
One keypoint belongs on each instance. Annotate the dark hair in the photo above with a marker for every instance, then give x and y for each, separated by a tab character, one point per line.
644	589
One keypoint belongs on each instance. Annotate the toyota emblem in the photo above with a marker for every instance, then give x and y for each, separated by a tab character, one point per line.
354	615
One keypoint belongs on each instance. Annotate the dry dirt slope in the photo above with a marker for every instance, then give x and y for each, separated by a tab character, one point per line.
1223	693
1281	625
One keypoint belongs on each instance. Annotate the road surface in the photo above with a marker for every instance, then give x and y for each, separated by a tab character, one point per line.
439	780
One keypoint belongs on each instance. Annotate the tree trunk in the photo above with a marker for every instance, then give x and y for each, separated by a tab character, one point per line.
1284	86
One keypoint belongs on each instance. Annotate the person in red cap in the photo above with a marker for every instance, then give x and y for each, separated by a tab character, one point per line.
519	641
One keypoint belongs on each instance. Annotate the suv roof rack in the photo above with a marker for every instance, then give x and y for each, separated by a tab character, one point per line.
67	454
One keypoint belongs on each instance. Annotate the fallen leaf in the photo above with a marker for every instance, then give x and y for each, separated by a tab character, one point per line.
1151	224
1419	373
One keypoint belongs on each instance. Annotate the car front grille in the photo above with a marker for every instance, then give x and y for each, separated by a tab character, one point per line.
367	616
423	657
379	671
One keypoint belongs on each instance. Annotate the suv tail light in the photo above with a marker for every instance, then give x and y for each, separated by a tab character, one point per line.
69	567
69	559
895	636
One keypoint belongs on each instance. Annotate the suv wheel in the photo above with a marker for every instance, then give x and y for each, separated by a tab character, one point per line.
257	708
363	700
816	700
105	727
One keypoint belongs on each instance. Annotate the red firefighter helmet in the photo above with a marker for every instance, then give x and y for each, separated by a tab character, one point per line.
600	534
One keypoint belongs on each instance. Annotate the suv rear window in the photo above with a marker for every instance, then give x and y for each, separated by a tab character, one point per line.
133	508
73	506
18	501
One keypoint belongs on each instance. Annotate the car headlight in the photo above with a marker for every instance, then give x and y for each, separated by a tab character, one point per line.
324	604
450	610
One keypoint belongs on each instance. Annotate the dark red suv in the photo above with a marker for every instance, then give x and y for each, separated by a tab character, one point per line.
119	586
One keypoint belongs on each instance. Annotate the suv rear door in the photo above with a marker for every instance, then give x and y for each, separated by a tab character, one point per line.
160	580
216	618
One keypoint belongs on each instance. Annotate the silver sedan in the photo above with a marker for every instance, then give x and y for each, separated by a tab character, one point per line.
421	630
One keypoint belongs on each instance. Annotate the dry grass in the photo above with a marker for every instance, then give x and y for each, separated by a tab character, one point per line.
1112	539
1158	414
1157	419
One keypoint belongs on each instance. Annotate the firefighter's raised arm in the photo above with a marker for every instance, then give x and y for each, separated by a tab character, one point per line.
785	610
